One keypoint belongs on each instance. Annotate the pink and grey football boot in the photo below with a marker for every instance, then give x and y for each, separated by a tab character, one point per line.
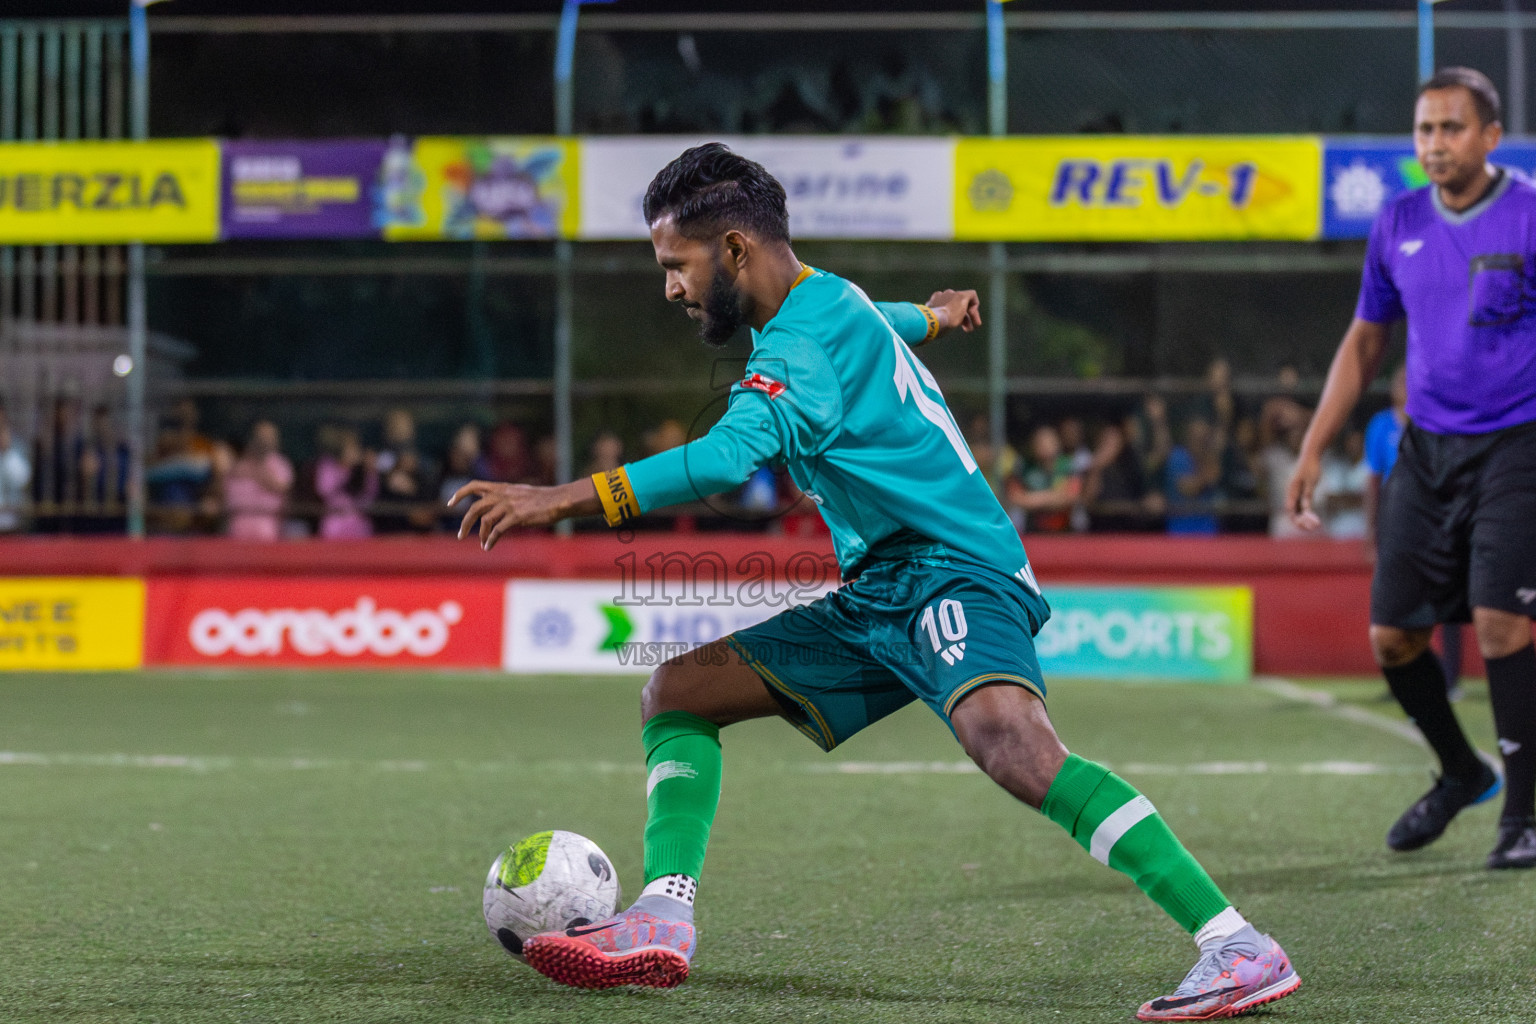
1248	970
632	948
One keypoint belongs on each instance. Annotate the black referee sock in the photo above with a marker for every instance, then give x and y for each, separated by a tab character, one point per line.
1512	692
1419	687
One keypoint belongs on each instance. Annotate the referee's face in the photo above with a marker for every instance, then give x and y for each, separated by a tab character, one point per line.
1451	142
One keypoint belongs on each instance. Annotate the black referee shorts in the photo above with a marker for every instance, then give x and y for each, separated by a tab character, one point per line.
1457	528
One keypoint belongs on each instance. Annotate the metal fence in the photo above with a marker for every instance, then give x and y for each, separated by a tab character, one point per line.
67	312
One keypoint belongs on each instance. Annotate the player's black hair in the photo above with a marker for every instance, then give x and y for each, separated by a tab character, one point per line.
1485	98
709	190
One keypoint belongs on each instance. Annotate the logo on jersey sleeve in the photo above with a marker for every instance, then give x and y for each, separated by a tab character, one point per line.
767	385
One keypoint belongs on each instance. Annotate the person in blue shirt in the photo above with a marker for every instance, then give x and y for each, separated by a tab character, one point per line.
1191	477
940	603
1384	431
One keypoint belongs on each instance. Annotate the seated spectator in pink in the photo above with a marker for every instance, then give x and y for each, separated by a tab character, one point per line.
347	482
257	486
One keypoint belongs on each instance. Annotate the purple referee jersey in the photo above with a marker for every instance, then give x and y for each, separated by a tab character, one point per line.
1467	284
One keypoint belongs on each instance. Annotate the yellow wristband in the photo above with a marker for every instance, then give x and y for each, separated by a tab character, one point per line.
933	322
617	496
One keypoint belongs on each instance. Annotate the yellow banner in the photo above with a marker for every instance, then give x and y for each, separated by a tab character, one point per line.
1138	188
61	622
109	192
515	187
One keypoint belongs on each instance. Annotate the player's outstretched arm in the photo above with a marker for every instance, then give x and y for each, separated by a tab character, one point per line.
919	323
953	309
1354	366
500	507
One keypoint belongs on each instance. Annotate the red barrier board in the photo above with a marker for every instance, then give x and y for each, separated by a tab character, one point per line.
407	622
1310	597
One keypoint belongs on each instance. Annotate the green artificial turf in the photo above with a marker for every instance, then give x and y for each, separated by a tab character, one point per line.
311	847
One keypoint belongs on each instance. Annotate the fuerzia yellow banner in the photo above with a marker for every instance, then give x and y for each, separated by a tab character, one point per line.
63	622
1137	188
165	191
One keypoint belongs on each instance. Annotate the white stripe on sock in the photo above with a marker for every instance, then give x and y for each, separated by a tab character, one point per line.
1116	825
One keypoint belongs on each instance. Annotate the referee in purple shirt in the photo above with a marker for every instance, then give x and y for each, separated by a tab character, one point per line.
1457	527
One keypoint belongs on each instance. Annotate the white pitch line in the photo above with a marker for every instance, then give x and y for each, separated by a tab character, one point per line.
198	764
1338	709
1129	768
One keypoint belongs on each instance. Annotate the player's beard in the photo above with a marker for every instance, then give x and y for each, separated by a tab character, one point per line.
723	312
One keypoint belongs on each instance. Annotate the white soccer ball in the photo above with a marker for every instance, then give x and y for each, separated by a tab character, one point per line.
548	882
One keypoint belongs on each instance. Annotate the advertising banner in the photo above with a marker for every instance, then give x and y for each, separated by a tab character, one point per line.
60	192
473	187
1361	175
303	189
1174	633
607	629
403	622
1137	188
64	622
858	187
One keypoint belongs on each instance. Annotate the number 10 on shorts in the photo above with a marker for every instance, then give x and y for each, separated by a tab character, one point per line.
948	620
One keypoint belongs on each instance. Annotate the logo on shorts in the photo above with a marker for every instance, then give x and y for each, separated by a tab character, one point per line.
953	653
1526	594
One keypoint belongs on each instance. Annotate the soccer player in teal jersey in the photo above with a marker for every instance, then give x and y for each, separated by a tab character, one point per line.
939	602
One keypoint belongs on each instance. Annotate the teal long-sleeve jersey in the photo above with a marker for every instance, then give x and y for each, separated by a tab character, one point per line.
834	392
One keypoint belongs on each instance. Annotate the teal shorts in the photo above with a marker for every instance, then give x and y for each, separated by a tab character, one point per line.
903	630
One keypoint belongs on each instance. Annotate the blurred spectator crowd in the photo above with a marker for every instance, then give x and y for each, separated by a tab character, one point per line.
1202	462
1206	463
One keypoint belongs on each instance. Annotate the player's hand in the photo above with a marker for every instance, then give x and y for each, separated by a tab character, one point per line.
1298	493
500	507
960	309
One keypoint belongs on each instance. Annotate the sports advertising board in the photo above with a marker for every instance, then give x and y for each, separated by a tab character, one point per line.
324	621
303	189
1183	633
605	628
164	191
535	625
63	622
483	187
848	187
1361	175
1028	188
1175	633
1137	188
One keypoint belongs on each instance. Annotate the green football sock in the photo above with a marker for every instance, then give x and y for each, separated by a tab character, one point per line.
682	759
1120	827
